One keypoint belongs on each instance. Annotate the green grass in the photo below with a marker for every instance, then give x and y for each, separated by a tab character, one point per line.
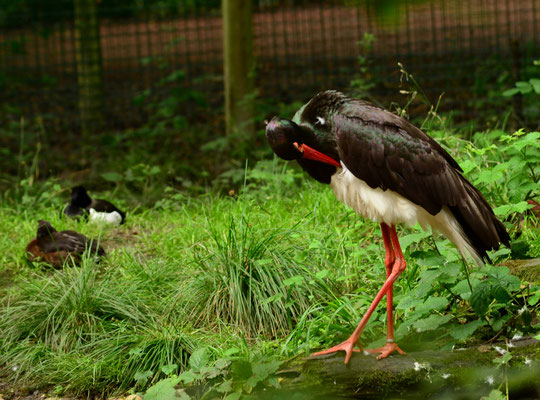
278	267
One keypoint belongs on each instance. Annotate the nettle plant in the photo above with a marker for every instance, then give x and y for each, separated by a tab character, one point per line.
449	298
457	304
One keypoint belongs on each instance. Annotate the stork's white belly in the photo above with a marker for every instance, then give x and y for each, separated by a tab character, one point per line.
392	208
376	204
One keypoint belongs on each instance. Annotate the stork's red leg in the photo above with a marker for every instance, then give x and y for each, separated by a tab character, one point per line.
395	264
389	261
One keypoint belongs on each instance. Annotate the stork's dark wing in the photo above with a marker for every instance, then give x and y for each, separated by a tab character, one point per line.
390	156
387	152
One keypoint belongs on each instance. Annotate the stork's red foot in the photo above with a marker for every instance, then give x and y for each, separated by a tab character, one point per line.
347	346
386	350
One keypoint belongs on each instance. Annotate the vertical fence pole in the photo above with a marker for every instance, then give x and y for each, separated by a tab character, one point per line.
89	68
238	66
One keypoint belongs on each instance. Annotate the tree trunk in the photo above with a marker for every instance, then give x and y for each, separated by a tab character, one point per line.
89	68
238	66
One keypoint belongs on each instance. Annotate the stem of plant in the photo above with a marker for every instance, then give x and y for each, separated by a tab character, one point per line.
466	273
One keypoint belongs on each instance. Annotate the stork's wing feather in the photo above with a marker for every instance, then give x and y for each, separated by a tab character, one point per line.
372	115
386	155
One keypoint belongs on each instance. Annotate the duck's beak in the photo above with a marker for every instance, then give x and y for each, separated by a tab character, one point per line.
312	154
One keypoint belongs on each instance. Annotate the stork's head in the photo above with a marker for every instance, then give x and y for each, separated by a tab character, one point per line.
286	139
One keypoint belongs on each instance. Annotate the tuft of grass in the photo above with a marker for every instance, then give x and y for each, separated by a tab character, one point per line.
247	277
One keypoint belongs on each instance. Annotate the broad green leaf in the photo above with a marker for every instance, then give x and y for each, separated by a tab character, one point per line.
264	370
222	363
467	166
500	293
322	274
293	280
407	240
188	376
494	395
432	322
224	387
511	283
409	302
489	176
506	209
199	358
274	381
234	396
531	139
163	390
462	332
534	298
112	176
510	92
497	272
182	395
524	87
142	376
535	83
451	273
169	369
480	298
241	370
433	304
430	275
252	381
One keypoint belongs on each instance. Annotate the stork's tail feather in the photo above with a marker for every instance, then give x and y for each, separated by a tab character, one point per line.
480	226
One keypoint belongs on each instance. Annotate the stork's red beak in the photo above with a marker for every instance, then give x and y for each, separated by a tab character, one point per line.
312	154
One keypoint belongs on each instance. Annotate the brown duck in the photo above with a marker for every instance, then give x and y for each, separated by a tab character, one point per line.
55	247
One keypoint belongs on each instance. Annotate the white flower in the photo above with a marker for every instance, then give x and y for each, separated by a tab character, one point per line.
16	367
418	366
527	361
510	344
499	350
522	310
517	337
445	376
489	380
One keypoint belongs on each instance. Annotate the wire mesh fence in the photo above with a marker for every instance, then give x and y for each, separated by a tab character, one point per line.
146	49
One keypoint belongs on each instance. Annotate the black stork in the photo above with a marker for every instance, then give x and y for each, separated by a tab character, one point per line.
387	170
96	209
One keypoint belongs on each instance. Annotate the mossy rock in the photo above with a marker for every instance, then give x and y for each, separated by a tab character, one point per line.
464	373
526	270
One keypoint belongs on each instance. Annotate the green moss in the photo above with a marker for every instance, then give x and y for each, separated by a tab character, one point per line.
526	270
385	382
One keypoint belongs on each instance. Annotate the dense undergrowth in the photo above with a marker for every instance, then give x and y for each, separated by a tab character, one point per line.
221	288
